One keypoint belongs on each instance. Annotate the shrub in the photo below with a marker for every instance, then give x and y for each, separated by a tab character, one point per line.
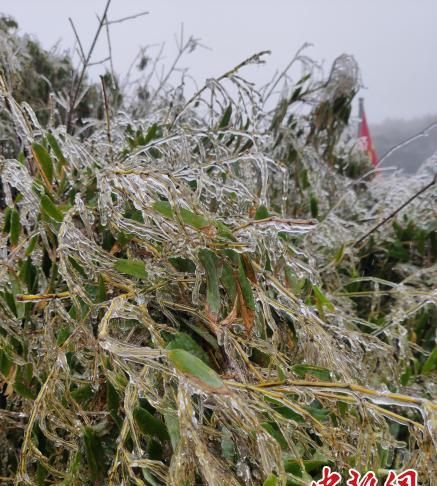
172	312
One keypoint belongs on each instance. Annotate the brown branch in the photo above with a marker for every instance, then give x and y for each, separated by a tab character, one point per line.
40	297
274	219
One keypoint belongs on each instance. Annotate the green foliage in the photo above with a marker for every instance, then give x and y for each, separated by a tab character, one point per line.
134	268
170	310
196	369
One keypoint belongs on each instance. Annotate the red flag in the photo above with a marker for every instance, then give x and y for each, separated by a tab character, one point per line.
364	134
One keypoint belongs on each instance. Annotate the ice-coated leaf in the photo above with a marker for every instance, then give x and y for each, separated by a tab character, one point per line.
261	213
188	217
196	369
56	148
321	373
209	262
321	300
94	453
224	122
149	424
164	208
15	227
431	363
172	424
44	161
51	209
271	480
134	268
7	220
182	340
24	391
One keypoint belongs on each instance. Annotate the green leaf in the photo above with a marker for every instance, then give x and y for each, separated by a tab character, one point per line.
77	266
164	208
274	431
41	474
184	341
431	363
314	206
94	454
191	365
302	369
151	133
209	261
10	300
195	220
321	414
224	122
261	213
83	394
50	209
224	231
134	268
321	300
113	402
172	424
339	254
183	264
7	220
293	281
5	362
228	280
31	245
227	445
29	275
188	217
149	424
204	334
271	480
24	391
63	334
314	464
15	228
246	288
44	160
101	290
55	147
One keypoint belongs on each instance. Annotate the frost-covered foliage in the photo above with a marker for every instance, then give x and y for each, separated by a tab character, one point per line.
183	300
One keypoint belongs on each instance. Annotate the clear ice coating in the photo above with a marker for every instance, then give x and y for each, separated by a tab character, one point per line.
194	235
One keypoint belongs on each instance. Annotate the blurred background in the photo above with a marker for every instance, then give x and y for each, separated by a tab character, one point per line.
393	41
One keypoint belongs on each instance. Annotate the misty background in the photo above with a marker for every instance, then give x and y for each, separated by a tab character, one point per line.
393	41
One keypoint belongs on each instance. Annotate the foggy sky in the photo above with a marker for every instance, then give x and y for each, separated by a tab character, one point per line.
394	41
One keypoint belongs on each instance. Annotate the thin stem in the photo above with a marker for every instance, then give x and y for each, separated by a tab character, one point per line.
73	99
39	297
396	211
107	116
129	17
402	144
79	43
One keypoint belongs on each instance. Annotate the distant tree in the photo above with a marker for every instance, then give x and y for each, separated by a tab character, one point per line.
33	73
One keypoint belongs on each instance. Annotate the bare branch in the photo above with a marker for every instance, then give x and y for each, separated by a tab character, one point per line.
396	211
85	65
422	133
129	17
76	35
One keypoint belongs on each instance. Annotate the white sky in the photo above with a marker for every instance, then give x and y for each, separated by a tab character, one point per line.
394	41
